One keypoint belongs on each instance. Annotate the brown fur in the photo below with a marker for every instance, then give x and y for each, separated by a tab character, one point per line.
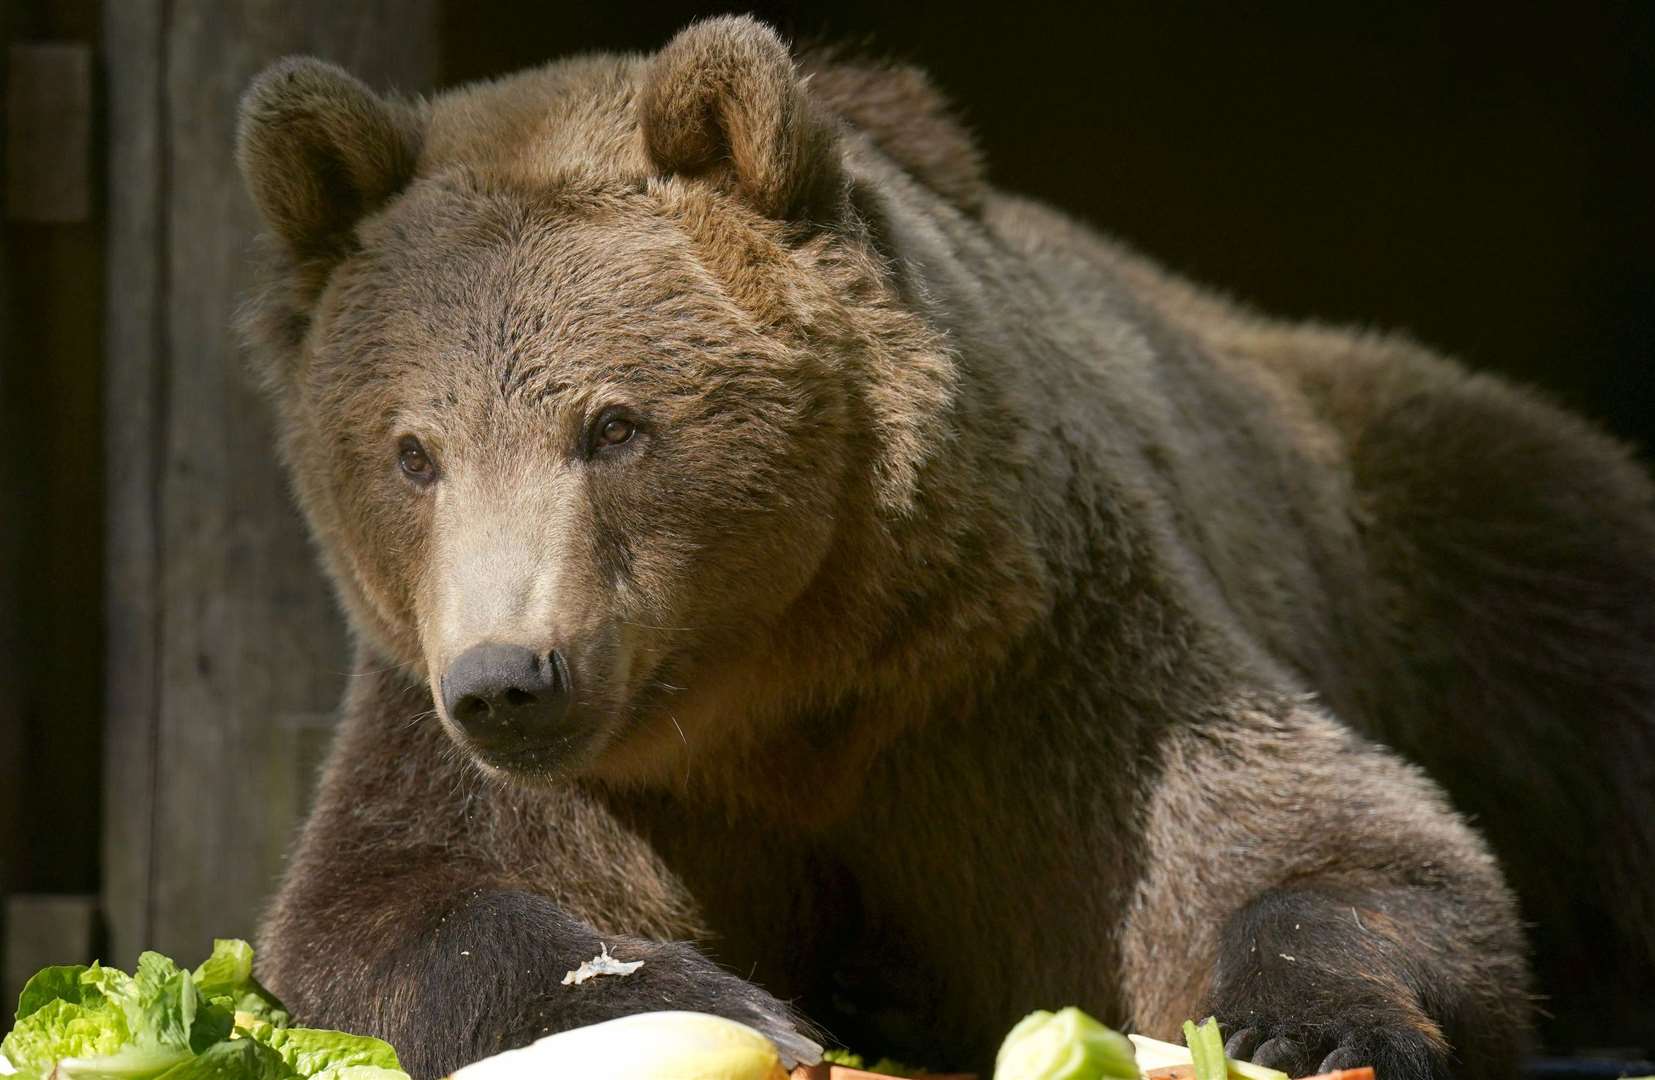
943	641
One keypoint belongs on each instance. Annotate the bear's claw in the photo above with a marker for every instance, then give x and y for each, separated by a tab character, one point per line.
1395	1053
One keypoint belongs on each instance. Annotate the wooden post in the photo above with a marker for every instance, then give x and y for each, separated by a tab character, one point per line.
11	548
51	260
226	654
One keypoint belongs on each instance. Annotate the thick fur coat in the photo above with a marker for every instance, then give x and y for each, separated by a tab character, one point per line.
956	614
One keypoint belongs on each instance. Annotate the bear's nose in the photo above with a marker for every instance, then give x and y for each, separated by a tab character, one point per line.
506	696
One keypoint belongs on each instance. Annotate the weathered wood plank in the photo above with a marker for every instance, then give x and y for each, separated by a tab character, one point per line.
249	641
51	260
11	547
42	930
226	656
134	367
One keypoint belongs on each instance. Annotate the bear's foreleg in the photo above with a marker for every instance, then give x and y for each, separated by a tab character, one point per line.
1320	898
489	977
440	909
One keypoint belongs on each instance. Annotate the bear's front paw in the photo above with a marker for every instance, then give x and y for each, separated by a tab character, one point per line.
674	976
698	984
1304	985
1397	1051
489	977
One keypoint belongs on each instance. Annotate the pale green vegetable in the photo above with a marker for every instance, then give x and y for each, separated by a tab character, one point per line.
132	1062
1206	1047
884	1066
1155	1054
646	1046
59	1029
165	1023
315	1053
1065	1045
228	973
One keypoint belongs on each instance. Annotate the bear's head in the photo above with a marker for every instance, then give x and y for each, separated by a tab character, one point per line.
599	394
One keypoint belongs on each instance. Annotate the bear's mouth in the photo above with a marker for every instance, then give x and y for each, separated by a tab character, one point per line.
562	755
502	741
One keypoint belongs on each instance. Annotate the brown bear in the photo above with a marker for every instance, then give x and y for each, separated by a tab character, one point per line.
767	542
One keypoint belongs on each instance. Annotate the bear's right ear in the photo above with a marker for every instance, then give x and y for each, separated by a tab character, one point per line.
318	151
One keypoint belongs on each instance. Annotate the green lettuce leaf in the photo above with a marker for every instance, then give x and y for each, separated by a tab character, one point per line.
226	978
59	1029
60	983
213	1024
112	985
165	1023
235	1059
312	1051
227	970
130	1062
360	1072
166	1003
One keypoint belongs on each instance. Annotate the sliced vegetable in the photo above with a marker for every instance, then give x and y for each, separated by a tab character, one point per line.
131	1062
1155	1054
1066	1045
646	1046
1206	1048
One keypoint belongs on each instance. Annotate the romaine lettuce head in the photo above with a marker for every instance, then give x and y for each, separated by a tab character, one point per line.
165	1023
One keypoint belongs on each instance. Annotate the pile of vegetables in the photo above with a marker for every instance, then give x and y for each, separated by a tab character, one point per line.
1069	1045
165	1023
646	1046
218	1023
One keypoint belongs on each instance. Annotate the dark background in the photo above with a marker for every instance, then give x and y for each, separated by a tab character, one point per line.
1478	176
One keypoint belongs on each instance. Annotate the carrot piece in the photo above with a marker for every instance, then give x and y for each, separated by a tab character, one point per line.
1364	1073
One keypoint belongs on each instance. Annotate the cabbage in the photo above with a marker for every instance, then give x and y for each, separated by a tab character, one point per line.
1066	1045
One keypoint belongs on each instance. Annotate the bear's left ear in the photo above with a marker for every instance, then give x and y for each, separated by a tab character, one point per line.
724	101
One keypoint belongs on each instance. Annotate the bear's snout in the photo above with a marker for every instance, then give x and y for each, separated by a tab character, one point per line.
508	699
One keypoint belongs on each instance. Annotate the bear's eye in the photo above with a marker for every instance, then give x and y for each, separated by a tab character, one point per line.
612	430
615	432
416	463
